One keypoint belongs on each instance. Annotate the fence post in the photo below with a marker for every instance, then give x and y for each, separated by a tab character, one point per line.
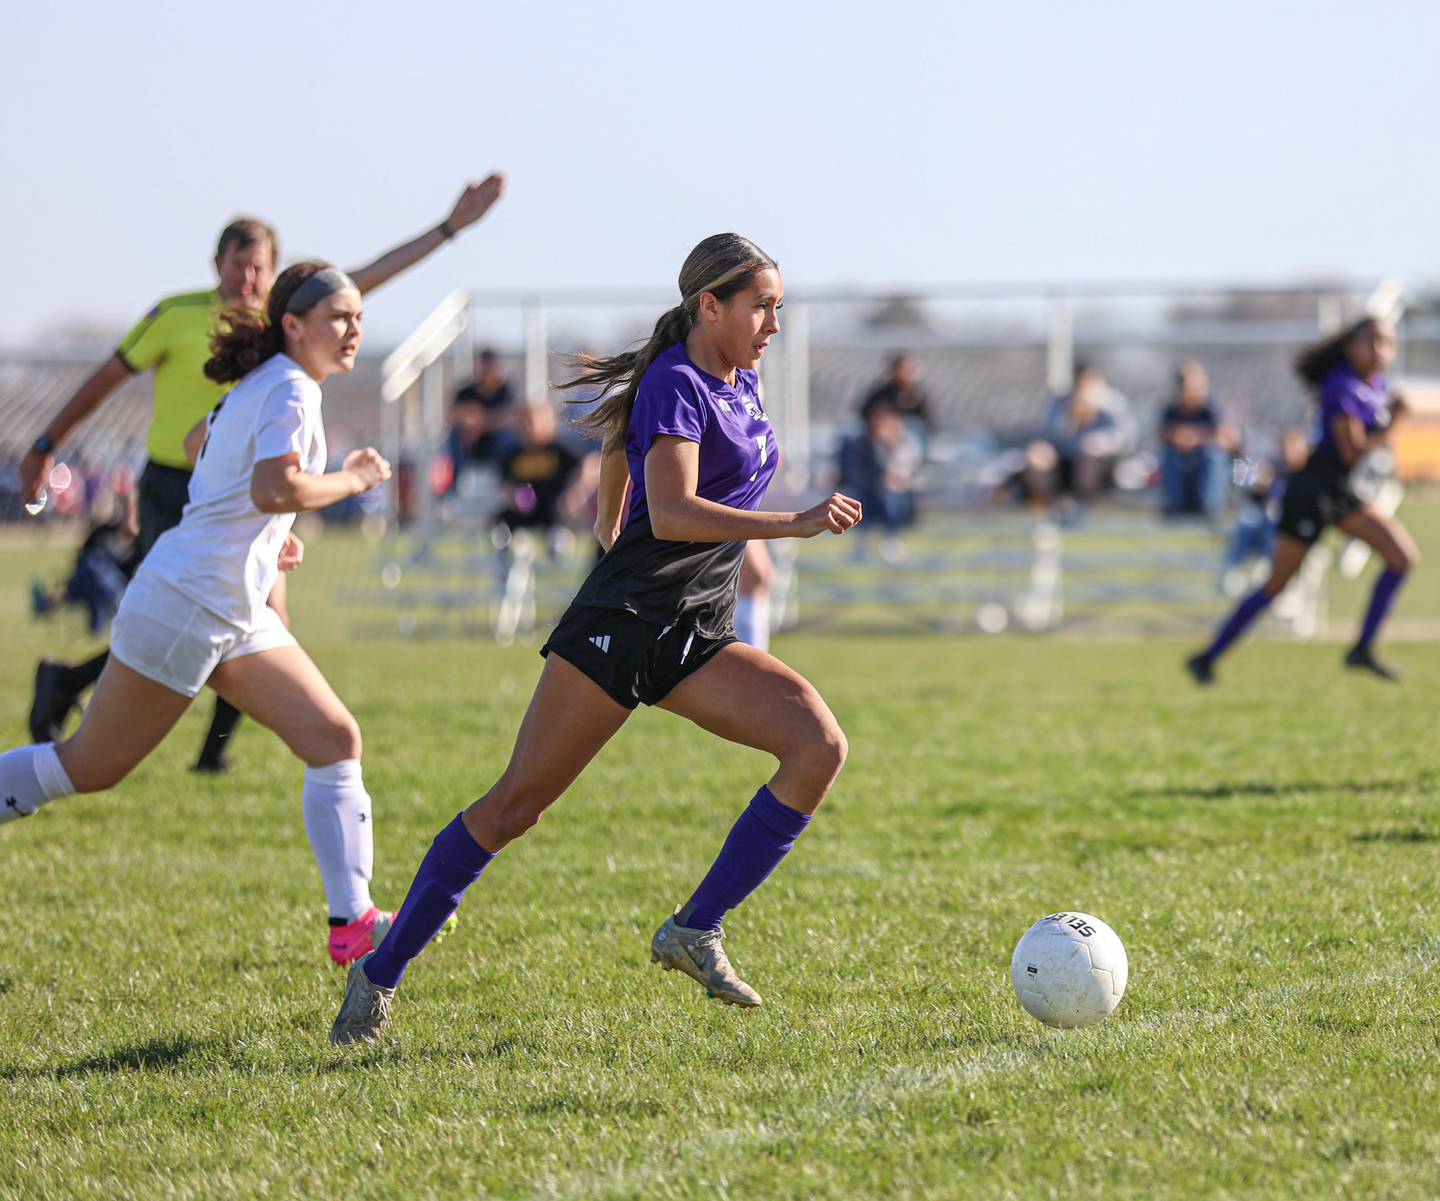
1060	345
537	359
392	447
797	395
432	425
1329	312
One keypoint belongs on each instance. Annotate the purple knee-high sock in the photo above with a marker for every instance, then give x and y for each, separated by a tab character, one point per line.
1381	601
1245	612
761	837
453	863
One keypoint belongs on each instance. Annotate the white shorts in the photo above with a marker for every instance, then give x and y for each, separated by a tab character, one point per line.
166	637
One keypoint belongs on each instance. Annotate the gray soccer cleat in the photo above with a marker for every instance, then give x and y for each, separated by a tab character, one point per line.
365	1011
700	956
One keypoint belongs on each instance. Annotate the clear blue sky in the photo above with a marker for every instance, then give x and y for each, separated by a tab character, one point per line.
884	144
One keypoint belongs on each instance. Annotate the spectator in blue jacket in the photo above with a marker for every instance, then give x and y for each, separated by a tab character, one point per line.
1195	448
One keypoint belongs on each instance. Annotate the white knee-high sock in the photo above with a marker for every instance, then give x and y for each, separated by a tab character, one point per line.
30	776
337	819
752	620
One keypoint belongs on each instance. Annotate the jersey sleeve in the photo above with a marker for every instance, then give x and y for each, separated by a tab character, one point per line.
285	423
670	402
1338	398
147	343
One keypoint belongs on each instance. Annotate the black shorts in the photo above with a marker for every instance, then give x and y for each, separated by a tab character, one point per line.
164	493
1316	496
633	660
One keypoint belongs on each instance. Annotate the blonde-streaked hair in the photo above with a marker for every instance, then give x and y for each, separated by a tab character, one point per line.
722	265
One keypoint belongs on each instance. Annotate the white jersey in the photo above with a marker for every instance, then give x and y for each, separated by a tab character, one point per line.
224	555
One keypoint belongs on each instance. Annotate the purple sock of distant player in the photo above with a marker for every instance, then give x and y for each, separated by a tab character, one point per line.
1245	612
1380	601
758	841
453	863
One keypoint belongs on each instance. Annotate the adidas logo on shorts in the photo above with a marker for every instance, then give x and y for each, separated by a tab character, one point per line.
602	641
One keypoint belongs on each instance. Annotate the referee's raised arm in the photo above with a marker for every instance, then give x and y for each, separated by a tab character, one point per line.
474	202
35	467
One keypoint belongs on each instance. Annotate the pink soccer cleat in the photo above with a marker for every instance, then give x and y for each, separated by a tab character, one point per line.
360	937
366	932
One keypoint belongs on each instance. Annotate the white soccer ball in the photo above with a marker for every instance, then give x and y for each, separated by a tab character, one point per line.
1069	970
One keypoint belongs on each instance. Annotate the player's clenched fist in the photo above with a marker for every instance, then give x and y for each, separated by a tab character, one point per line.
837	513
368	466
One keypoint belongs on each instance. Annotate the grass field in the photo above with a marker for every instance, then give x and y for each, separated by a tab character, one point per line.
1267	850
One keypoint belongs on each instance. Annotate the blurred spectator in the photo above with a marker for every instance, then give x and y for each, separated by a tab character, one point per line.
1195	449
480	419
878	468
1086	431
11	500
103	567
901	392
491	386
550	484
1263	488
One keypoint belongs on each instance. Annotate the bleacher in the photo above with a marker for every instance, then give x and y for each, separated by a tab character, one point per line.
964	572
1002	389
992	385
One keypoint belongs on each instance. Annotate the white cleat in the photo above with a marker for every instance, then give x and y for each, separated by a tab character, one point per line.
700	955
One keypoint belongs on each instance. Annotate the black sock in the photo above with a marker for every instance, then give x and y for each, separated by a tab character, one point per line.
83	675
222	725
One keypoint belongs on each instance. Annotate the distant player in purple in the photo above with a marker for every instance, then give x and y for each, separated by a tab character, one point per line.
687	439
1355	411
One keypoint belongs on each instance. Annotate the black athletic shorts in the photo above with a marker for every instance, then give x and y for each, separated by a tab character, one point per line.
1316	496
164	493
633	660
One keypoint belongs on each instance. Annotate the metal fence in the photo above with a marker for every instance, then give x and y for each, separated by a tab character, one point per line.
991	357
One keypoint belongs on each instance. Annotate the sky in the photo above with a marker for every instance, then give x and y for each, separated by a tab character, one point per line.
883	147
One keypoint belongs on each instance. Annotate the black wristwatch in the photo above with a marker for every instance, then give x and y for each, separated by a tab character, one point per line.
43	445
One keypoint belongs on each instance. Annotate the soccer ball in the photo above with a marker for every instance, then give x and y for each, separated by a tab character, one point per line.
1069	970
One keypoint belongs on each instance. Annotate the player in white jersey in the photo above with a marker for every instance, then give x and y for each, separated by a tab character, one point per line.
195	613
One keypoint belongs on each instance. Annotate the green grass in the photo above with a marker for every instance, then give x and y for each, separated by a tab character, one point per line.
1267	850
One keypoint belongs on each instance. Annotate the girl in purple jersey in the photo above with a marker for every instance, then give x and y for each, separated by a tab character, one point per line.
1355	412
686	438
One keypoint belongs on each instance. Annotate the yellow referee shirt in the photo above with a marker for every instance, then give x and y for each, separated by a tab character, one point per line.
173	340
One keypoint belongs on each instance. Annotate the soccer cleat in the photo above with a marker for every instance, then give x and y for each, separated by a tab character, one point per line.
360	937
700	956
52	703
1363	657
363	935
1200	669
365	1011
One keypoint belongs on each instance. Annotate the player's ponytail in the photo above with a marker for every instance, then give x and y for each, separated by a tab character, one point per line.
1315	363
245	337
722	265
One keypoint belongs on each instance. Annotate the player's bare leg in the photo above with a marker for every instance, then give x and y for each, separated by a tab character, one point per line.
747	696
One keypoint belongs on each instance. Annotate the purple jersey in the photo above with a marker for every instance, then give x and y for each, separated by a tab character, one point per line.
737	445
1346	394
689	583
